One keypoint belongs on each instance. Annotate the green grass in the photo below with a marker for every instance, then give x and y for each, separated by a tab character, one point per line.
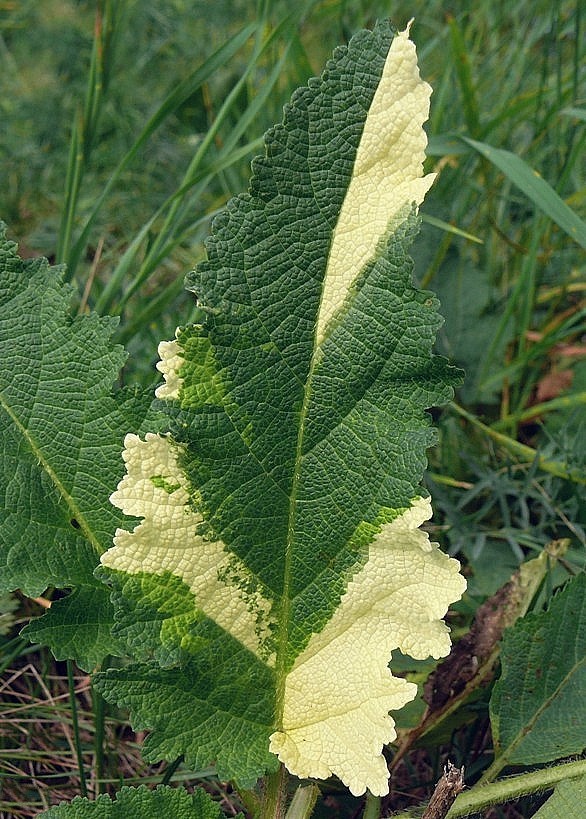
127	126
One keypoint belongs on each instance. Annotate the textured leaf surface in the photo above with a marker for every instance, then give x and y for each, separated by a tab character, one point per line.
60	432
538	708
140	803
567	800
278	561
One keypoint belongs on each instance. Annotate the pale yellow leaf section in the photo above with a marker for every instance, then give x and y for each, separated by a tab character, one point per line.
340	690
387	177
169	539
171	361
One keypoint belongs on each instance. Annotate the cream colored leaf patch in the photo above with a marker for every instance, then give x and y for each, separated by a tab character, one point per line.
170	539
190	369
340	691
171	359
387	177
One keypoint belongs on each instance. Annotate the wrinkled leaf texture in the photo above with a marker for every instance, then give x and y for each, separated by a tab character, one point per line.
140	803
61	429
538	707
279	560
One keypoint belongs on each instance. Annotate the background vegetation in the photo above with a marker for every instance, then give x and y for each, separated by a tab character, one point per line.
127	125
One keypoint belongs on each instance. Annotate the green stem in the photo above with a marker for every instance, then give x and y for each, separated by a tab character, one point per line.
100	709
75	721
372	807
251	802
481	797
275	795
564	402
522	451
303	802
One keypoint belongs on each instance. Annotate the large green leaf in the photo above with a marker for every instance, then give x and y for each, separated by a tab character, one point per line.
140	803
279	560
538	708
60	433
568	799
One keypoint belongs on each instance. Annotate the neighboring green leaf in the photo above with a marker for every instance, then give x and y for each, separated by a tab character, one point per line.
535	188
538	708
140	803
60	433
279	559
568	799
78	626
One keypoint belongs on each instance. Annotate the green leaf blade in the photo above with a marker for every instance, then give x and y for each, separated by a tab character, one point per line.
140	803
286	496
568	799
217	707
535	188
537	709
60	432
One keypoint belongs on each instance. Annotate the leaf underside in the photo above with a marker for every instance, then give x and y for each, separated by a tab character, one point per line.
568	799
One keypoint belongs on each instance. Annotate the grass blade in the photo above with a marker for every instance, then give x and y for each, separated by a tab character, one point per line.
464	74
175	99
535	188
526	453
76	734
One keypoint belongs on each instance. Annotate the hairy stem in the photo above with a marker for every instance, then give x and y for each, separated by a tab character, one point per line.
275	795
303	802
481	797
372	807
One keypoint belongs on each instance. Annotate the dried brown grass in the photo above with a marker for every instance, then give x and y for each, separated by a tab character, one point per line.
38	760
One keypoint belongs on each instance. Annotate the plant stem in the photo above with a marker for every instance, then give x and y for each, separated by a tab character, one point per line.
275	795
483	796
250	800
372	807
75	721
521	450
303	802
99	722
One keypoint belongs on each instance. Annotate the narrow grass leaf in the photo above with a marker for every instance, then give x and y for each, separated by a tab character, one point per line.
535	188
577	113
445	226
169	105
465	80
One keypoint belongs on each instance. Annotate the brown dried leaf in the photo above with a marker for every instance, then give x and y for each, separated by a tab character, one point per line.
553	384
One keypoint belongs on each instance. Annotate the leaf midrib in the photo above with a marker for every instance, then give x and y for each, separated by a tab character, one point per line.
38	453
285	609
549	701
